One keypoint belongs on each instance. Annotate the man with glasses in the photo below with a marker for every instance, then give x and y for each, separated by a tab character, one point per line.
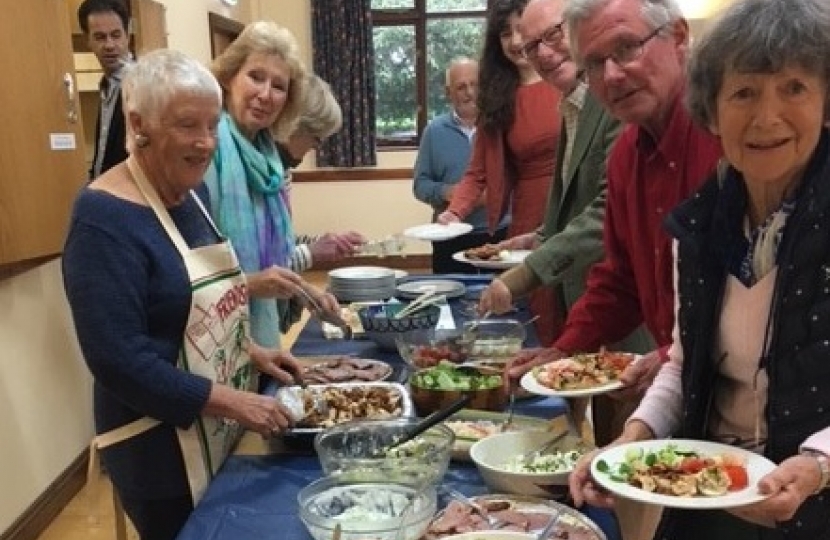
634	52
570	239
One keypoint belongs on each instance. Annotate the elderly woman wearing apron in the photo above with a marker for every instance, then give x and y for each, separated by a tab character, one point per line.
160	305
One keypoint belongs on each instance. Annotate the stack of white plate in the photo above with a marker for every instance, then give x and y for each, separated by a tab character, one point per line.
362	283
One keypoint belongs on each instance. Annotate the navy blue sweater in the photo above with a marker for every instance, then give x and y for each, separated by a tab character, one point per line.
130	296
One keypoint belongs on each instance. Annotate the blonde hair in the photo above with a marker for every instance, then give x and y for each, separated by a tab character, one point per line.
321	116
268	38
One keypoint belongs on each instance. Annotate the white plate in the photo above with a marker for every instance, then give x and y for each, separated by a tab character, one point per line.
512	258
362	272
529	383
757	466
435	232
571	519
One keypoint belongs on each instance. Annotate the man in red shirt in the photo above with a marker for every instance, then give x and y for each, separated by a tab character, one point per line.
633	53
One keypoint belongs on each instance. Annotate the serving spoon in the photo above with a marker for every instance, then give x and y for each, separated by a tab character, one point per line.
492	521
547	445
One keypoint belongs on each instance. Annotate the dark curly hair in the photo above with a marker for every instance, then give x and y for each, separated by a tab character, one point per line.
498	76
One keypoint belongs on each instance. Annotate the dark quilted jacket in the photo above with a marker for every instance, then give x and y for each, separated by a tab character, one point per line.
798	362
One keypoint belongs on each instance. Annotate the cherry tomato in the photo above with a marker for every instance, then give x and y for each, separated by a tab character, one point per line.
692	465
738	477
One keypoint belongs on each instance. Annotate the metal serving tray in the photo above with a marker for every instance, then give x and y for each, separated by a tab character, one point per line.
407	407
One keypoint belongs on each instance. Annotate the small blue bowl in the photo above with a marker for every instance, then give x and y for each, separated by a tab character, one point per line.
381	326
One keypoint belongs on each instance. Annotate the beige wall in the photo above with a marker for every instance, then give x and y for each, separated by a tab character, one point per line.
45	388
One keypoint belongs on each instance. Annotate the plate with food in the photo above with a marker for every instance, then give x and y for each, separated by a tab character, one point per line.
511	513
581	375
341	368
682	473
470	426
489	256
436	232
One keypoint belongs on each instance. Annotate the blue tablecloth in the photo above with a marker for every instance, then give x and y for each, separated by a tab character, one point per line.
255	497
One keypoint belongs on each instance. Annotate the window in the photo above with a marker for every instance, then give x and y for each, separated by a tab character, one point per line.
414	41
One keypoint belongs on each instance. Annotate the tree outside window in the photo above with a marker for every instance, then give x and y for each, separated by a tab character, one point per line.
414	41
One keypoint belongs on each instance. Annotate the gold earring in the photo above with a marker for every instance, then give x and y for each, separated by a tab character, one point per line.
141	140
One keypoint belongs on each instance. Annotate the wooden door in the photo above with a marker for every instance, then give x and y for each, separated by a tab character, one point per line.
40	171
149	25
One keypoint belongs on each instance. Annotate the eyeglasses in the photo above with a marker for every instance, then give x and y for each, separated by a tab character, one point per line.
551	38
622	55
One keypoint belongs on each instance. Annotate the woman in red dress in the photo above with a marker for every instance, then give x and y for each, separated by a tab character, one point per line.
514	152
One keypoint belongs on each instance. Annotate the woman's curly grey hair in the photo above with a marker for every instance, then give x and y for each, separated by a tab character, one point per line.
758	36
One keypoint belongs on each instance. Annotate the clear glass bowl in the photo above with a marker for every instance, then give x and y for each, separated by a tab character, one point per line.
367	506
426	348
352	446
495	338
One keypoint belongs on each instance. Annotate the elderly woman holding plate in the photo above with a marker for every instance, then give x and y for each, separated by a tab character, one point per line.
750	365
159	305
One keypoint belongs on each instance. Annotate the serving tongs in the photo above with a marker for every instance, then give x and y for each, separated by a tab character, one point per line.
326	316
428	298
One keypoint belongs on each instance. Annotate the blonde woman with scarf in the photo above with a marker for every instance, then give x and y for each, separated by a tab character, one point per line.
262	83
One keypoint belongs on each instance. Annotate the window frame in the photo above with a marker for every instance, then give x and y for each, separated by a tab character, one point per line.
417	17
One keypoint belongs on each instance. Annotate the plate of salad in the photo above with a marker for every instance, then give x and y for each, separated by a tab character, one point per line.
682	473
581	375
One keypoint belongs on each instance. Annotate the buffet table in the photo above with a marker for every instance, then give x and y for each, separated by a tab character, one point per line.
255	497
254	494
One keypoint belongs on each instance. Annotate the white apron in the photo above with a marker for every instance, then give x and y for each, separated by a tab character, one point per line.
214	346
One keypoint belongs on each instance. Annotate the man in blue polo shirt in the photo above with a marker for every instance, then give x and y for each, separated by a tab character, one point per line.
442	160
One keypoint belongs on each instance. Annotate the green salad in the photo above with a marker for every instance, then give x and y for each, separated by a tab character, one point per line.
447	376
636	459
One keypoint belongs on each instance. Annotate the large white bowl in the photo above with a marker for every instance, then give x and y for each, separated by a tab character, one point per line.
490	455
324	502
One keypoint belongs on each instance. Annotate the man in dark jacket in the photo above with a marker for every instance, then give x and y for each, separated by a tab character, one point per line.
105	24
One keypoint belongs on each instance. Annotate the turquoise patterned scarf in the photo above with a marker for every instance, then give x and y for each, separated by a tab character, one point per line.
249	200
